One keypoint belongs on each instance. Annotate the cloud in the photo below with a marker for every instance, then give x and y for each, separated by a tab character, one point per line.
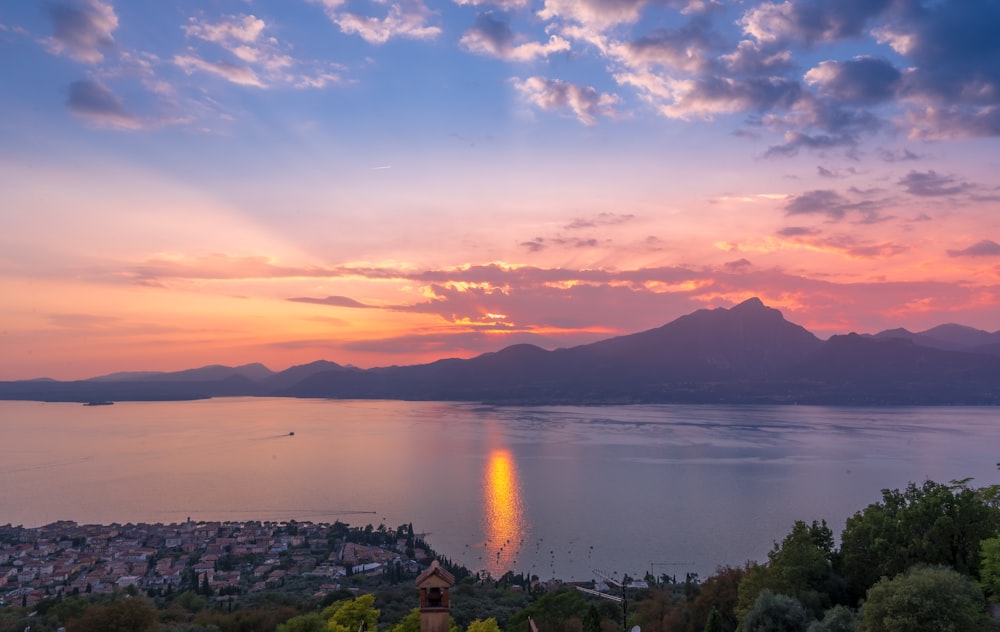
856	248
541	243
953	82
407	18
833	205
684	50
96	103
737	265
750	59
506	5
222	267
816	125
810	22
254	59
715	94
553	94
597	14
902	155
823	172
82	29
931	184
949	122
984	248
245	29
235	73
601	219
864	80
333	301
493	37
545	302
797	231
696	70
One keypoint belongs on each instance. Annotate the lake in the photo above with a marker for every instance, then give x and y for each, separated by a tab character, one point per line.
554	491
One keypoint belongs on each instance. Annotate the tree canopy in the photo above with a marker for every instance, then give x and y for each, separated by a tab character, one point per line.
801	566
776	613
925	599
928	524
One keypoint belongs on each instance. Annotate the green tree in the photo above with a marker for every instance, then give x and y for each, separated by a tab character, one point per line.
989	565
801	566
715	622
347	616
930	524
775	613
312	622
66	609
836	619
553	612
489	625
925	599
592	620
409	623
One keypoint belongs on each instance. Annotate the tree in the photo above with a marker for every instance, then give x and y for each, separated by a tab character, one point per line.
931	524
132	614
801	567
714	623
347	616
313	622
836	619
775	613
409	623
989	566
489	625
554	612
925	599
720	593
592	620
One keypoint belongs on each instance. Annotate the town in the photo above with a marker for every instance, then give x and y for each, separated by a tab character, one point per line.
221	559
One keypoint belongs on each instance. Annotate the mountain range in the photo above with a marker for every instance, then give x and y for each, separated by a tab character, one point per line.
747	354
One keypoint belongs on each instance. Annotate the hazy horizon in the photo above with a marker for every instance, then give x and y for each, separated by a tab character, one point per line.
387	183
279	369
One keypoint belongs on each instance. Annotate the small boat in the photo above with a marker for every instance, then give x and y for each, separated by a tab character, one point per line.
291	434
98	403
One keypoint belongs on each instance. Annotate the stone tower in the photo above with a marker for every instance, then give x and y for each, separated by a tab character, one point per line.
435	608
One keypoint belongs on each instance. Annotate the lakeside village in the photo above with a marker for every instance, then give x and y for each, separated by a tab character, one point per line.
222	559
225	560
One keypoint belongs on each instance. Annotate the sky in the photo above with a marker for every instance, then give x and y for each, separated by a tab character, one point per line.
387	182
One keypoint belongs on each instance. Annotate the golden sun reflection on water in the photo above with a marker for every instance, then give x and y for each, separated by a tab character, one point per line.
503	513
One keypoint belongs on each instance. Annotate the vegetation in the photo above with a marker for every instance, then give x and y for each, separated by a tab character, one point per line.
775	613
923	558
925	599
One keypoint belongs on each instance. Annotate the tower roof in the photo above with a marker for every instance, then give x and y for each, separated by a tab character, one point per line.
435	572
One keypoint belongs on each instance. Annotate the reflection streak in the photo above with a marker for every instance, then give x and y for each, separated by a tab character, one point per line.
503	512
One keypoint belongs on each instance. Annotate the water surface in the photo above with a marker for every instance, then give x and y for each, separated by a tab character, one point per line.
552	491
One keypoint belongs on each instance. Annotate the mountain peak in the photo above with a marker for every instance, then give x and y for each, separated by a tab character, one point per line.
751	303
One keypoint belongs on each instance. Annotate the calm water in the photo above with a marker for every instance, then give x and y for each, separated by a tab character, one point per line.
554	491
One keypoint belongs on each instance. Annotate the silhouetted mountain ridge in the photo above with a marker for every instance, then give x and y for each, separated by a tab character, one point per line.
745	354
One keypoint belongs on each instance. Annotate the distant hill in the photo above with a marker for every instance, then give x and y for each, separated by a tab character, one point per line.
745	354
951	337
256	372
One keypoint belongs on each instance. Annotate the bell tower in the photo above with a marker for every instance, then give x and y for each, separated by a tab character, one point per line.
435	607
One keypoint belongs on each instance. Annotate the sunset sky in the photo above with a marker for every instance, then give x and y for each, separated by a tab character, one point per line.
378	182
